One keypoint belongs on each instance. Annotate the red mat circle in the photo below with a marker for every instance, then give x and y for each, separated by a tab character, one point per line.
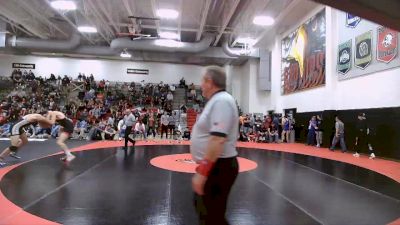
184	163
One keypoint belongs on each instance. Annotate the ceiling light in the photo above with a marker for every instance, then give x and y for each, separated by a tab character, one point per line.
167	13
169	35
246	40
125	54
263	20
63	5
87	29
168	43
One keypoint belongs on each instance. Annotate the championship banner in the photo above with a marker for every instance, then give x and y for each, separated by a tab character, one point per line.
363	50
344	57
386	49
303	56
352	21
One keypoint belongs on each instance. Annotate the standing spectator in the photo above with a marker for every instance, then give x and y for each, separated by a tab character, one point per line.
339	135
285	128
182	83
171	124
214	149
318	131
312	124
164	125
362	136
151	127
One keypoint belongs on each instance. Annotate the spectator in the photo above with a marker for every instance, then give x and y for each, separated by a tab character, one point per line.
312	125
273	133
339	135
140	129
319	131
108	133
363	137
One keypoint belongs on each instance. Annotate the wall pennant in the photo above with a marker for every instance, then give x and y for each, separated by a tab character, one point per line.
386	49
344	57
363	50
352	21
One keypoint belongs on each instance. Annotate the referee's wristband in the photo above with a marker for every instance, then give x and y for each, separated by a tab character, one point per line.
204	168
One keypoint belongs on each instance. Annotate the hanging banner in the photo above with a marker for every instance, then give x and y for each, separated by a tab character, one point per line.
386	46
363	50
344	57
137	71
303	56
23	66
352	21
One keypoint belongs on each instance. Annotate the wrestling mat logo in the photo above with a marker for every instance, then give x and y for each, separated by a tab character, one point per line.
190	161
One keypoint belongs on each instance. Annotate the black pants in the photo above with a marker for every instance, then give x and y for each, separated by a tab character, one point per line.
151	130
211	206
164	128
127	138
362	143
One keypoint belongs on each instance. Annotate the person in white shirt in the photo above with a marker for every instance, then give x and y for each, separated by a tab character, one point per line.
141	129
121	129
164	124
213	147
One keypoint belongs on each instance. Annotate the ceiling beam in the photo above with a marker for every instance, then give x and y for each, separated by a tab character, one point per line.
130	13
68	21
90	20
20	20
154	10
40	16
289	9
109	17
170	28
226	21
203	20
17	26
248	20
98	16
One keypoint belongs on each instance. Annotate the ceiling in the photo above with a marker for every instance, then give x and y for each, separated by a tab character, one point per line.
227	19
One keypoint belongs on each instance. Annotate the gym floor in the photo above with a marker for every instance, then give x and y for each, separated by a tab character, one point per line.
279	184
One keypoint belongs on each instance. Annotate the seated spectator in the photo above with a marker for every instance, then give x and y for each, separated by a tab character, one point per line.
55	130
141	129
170	97
251	135
108	133
273	133
5	130
172	88
186	134
81	128
263	135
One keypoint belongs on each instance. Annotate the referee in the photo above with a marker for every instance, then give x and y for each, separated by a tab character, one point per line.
129	122
214	149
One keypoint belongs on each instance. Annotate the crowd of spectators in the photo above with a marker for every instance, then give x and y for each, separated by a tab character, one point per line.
266	128
97	107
